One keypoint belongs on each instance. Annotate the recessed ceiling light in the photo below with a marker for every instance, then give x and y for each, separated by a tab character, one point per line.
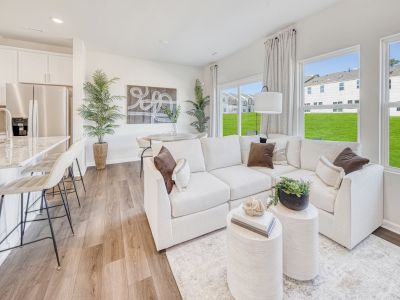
165	42
214	53
57	20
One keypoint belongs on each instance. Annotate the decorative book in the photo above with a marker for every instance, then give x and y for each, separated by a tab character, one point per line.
262	225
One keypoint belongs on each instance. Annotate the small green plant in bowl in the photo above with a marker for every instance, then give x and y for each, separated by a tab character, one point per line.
292	193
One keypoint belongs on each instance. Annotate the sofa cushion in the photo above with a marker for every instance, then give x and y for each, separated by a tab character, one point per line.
245	144
243	181
311	150
329	173
293	151
187	149
278	170
203	192
221	152
322	196
280	142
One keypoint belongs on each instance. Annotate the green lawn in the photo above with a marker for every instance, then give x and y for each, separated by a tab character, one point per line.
323	126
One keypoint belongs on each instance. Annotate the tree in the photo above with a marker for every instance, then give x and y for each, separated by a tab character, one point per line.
99	108
199	107
393	62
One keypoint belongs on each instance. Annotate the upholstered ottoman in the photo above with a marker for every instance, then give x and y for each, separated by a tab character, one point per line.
254	267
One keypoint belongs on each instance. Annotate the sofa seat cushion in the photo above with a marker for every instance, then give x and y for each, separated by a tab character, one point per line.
243	181
203	192
278	170
322	196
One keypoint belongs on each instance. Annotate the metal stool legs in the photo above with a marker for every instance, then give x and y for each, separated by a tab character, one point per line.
51	229
71	174
80	174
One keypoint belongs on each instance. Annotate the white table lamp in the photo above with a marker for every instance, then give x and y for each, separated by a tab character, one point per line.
267	102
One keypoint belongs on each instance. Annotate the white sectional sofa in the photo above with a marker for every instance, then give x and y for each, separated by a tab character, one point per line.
220	180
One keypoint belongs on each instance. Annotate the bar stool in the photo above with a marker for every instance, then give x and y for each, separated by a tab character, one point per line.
46	165
40	183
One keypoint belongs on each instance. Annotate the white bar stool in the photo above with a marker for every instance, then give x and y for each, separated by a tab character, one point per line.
39	184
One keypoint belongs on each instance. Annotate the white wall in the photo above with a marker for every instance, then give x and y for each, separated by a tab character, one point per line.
122	145
348	23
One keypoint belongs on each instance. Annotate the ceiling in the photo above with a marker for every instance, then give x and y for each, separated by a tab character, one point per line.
178	31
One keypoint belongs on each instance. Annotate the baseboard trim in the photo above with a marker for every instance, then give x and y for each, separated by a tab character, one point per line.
115	161
391	226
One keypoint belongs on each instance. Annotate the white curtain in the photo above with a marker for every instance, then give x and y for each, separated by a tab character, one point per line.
280	76
214	102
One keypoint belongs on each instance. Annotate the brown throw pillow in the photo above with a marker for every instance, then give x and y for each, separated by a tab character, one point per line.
165	163
261	155
350	161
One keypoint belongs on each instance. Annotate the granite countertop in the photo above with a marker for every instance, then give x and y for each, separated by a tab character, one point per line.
19	151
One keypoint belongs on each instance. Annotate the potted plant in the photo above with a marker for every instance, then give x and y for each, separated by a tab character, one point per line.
101	112
199	108
294	194
173	115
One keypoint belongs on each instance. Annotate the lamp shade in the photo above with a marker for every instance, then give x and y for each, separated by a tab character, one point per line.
268	103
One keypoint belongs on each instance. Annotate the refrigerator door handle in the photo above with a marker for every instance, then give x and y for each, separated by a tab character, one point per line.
33	119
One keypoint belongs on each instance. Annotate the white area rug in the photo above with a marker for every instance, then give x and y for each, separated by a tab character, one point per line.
369	271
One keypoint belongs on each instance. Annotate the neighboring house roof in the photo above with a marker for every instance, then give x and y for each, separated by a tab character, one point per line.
342	76
332	78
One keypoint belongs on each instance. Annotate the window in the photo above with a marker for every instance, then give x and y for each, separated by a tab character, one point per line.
358	83
238	117
309	90
349	101
390	83
322	89
326	119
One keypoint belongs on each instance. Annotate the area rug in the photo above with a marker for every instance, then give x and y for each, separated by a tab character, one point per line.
369	271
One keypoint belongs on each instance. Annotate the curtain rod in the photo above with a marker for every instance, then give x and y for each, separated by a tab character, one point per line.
275	35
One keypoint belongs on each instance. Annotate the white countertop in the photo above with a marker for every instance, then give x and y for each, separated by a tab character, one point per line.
19	151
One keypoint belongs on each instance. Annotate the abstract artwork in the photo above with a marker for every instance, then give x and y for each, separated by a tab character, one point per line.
145	102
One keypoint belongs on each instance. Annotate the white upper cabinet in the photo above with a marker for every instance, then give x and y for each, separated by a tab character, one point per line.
45	68
60	70
8	70
32	67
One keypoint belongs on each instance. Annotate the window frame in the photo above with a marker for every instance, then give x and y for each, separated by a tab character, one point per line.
301	93
235	84
385	104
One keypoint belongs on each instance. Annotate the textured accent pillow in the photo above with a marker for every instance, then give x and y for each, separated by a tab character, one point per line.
261	155
329	173
181	174
350	161
165	163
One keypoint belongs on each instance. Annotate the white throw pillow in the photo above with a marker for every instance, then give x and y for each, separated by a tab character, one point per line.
181	174
329	173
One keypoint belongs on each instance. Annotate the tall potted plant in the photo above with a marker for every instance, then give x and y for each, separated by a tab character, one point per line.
101	112
199	108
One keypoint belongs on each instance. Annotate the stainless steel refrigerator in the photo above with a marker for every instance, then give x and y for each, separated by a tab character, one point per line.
43	108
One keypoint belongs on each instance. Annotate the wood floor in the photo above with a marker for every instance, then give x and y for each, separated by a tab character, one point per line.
111	256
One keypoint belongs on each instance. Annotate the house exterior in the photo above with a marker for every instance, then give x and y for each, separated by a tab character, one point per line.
343	88
230	102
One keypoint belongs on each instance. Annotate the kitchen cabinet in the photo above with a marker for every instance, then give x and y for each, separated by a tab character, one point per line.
8	71
32	67
44	68
60	69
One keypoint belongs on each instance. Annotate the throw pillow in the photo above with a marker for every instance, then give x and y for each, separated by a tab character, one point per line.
261	155
350	161
329	173
181	174
165	163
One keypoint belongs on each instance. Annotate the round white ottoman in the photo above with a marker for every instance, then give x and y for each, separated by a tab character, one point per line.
300	241
254	266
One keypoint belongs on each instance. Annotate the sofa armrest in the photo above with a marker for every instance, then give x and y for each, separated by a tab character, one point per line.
359	203
157	205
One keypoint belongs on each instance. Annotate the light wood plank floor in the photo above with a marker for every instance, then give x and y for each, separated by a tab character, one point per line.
111	256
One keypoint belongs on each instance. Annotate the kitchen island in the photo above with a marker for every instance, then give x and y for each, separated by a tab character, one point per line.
15	155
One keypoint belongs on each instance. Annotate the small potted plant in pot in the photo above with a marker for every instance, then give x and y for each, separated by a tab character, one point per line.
101	112
294	194
173	115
